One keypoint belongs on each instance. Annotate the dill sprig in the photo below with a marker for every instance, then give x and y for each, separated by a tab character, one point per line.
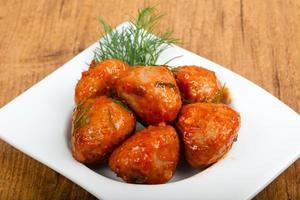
220	95
137	43
82	118
116	100
121	103
173	69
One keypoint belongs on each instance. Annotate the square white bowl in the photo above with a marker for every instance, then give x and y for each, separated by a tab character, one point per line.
38	123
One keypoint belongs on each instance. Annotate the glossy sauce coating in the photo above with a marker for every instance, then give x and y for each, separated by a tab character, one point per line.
208	131
98	79
99	125
151	92
149	156
196	84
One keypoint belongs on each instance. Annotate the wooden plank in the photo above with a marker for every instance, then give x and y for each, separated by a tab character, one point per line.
257	39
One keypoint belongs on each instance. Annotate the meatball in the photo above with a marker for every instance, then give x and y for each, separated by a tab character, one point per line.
100	77
151	92
150	156
99	125
197	84
208	131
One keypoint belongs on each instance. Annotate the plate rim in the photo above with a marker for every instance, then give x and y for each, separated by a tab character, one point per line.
76	181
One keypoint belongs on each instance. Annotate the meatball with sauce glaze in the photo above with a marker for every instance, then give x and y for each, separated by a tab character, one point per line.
99	125
208	131
151	92
197	84
98	79
150	156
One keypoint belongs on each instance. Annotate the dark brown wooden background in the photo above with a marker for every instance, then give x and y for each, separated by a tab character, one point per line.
259	39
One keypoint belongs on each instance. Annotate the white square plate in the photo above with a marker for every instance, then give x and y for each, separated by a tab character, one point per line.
38	123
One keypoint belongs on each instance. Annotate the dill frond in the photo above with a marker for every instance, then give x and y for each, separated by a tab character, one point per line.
220	95
121	103
115	99
173	69
137	43
83	118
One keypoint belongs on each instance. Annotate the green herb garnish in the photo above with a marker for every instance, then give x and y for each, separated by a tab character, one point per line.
217	99
110	118
173	69
220	95
136	44
83	118
121	103
162	84
115	99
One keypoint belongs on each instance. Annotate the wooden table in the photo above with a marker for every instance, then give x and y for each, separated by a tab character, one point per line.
259	39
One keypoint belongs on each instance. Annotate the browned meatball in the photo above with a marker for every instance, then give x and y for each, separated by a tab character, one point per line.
99	125
197	84
100	77
150	156
151	92
208	131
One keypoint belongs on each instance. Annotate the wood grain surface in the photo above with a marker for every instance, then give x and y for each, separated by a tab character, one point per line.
259	39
